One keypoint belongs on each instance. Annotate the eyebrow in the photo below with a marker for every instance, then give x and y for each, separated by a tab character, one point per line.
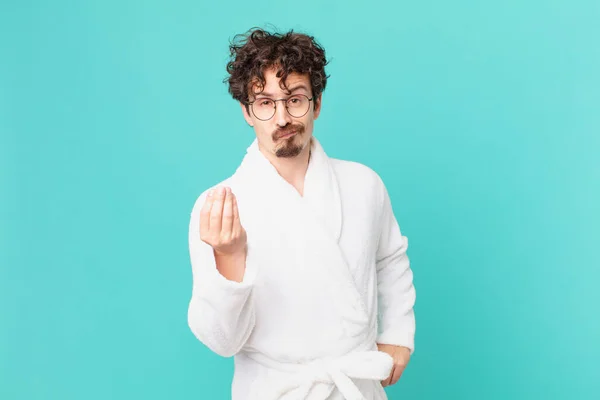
293	89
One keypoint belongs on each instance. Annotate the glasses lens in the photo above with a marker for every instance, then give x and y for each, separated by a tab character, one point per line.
298	105
263	108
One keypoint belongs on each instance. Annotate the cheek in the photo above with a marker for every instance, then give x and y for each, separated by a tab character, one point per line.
308	123
263	130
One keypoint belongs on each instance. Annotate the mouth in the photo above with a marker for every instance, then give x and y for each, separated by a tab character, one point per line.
287	135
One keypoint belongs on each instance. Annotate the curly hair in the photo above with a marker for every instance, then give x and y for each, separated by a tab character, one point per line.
257	50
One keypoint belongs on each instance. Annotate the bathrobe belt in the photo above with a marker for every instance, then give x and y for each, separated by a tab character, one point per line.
369	365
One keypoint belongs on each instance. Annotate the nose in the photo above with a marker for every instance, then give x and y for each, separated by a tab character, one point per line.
282	117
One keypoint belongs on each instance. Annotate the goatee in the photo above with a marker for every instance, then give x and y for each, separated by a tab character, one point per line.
289	148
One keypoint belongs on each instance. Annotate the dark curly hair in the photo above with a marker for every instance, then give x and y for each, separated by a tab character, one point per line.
257	50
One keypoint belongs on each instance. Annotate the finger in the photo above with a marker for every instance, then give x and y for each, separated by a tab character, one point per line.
227	222
205	213
396	374
216	212
389	378
236	213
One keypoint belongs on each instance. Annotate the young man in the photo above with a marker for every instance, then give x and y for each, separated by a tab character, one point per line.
299	267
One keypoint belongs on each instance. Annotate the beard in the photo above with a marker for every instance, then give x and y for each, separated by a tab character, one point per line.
289	147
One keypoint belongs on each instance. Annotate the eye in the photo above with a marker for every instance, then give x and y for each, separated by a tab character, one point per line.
265	102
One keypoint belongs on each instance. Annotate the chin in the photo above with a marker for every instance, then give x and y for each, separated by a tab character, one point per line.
290	148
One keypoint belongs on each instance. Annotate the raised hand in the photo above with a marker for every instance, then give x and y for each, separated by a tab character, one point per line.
220	225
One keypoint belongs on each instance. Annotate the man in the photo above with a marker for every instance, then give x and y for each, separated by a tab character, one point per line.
299	267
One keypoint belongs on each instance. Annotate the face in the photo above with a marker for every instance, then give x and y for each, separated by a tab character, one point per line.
284	135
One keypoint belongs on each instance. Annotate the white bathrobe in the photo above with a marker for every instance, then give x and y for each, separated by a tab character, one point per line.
327	277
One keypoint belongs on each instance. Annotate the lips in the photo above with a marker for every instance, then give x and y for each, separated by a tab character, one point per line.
287	135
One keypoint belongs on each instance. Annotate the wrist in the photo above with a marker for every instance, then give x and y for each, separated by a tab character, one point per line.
231	265
234	256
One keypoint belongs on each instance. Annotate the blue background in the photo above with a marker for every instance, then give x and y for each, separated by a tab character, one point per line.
482	118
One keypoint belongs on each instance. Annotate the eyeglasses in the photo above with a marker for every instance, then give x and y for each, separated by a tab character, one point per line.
264	108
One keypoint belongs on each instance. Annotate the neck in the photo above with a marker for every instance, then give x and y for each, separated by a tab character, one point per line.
293	169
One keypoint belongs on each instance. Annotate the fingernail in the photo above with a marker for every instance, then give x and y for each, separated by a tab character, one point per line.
221	190
211	192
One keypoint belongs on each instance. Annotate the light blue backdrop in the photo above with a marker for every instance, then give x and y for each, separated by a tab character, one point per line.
482	117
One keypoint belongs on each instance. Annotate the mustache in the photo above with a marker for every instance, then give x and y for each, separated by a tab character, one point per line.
299	129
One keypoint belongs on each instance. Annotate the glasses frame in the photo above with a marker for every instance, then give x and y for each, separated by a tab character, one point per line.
250	103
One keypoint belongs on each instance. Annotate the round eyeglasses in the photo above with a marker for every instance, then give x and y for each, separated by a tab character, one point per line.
264	108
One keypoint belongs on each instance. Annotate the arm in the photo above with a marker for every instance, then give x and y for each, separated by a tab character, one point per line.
396	292
221	313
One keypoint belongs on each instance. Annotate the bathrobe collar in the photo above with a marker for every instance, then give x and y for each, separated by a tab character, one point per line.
321	187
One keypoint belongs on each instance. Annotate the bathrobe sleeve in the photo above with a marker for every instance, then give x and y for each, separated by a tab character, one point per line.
396	292
220	313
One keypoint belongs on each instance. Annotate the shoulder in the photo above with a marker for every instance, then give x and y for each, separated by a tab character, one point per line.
359	175
357	178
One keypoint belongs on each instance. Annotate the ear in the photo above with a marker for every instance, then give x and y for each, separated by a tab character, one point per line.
247	116
317	109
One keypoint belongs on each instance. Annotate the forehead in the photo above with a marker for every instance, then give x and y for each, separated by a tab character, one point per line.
273	84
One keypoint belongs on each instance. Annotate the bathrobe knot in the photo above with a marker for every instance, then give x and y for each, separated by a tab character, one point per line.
331	371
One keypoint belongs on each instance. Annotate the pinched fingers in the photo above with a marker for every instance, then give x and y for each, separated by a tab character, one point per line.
220	222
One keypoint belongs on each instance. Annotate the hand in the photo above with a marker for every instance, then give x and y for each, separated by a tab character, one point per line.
220	223
401	356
